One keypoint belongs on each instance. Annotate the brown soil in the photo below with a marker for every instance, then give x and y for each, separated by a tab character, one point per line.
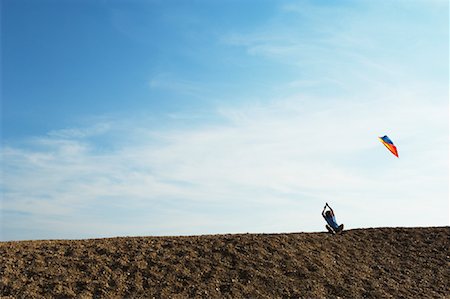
363	263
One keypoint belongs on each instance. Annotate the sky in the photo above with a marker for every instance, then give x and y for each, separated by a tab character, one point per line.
148	118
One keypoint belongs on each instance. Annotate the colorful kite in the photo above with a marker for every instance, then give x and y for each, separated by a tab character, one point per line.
389	144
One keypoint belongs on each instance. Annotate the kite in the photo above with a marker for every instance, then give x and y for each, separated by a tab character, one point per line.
389	145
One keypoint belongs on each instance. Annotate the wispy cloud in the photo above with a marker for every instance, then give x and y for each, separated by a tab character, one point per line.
170	83
98	129
351	45
285	156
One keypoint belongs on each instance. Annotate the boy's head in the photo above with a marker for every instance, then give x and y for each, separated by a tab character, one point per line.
328	213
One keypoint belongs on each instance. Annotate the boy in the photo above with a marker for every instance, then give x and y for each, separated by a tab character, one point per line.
332	225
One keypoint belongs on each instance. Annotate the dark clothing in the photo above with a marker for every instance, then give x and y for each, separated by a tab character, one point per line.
332	222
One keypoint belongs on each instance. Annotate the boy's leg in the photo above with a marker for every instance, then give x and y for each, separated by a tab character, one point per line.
330	230
340	228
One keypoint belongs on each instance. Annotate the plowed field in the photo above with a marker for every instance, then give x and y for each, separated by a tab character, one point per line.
362	263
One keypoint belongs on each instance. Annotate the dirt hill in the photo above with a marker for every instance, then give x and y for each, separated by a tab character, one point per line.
362	263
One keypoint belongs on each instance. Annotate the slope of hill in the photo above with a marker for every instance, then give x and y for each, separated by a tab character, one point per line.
362	263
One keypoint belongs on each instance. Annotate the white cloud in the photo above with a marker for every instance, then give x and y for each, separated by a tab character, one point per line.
289	157
170	83
68	133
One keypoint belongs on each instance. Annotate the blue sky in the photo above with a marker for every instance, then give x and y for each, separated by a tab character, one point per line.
125	118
